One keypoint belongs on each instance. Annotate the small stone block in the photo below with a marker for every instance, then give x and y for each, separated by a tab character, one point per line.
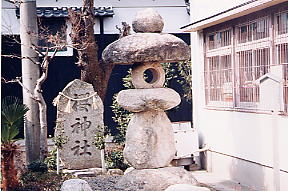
148	20
138	100
84	174
75	185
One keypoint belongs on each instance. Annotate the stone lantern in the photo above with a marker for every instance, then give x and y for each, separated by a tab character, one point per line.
149	146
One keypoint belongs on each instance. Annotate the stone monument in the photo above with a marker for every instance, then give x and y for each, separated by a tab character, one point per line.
79	118
149	146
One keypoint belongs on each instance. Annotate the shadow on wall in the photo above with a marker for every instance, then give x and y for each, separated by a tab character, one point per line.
235	138
202	155
247	143
247	173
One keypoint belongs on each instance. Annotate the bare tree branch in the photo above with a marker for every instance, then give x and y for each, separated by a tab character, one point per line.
125	30
42	104
18	80
20	57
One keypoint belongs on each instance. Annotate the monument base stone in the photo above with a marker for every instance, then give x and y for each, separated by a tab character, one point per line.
155	179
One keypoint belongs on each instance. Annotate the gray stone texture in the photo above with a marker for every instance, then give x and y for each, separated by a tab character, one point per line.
146	47
148	20
138	100
115	172
155	179
157	71
79	126
75	185
149	140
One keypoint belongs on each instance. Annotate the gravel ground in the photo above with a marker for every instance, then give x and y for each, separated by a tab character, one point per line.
103	183
107	183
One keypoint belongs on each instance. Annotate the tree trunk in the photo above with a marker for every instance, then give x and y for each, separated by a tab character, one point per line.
92	70
42	104
42	111
43	127
9	173
30	73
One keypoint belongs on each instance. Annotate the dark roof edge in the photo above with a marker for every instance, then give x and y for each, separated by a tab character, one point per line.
63	11
236	7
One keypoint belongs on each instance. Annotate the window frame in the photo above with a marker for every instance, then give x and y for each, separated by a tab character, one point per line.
69	49
248	24
254	67
219	72
269	42
220	52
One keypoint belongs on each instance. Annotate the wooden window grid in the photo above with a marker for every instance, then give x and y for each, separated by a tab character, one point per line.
253	30
219	79
252	64
282	23
282	58
281	43
240	55
219	39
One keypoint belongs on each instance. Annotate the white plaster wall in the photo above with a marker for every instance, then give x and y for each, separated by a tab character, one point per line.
204	8
254	175
283	181
283	145
236	137
234	134
246	173
174	18
9	22
173	12
243	135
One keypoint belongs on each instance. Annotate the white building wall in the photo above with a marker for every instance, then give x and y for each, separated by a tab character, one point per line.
173	12
206	8
241	143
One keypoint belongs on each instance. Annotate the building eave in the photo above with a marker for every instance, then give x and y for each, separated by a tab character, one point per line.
55	12
238	11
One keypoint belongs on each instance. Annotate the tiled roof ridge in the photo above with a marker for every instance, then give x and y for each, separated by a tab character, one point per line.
63	11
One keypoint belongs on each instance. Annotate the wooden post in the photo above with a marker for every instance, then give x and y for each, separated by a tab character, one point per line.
30	73
103	161
57	161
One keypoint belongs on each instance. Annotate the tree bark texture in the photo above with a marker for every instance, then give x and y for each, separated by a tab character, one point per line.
92	70
8	170
42	110
42	104
30	73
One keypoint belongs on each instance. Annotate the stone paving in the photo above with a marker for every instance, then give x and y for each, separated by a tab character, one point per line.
215	183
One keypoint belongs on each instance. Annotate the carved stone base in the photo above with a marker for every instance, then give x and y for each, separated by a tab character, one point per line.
155	179
149	140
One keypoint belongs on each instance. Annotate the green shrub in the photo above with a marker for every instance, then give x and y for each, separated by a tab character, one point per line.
51	159
12	115
37	166
115	159
36	181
